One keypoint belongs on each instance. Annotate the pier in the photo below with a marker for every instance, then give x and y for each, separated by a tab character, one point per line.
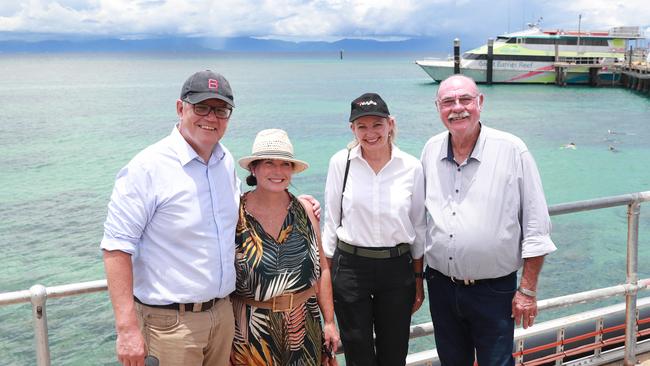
636	77
631	76
633	73
613	335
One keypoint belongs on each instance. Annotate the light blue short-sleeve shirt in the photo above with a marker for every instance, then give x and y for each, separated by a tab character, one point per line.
176	215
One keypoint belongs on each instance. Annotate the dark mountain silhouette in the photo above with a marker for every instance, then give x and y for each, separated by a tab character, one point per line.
237	44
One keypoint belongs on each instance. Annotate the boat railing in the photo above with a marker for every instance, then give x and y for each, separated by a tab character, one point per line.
639	55
39	294
626	32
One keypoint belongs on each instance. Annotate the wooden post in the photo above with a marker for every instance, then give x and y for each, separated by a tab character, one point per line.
630	59
456	56
628	82
490	61
593	76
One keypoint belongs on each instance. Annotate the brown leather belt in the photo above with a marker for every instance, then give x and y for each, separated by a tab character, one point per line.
280	303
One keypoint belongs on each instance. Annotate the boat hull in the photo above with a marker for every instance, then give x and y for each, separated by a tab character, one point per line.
507	72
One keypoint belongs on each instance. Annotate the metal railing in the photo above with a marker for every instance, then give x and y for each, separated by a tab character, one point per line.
39	294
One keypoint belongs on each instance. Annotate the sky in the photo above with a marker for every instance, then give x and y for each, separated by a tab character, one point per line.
299	20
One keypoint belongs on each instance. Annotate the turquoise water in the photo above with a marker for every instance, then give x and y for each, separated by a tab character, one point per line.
69	122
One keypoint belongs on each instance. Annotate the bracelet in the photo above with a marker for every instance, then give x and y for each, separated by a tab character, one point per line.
419	274
527	292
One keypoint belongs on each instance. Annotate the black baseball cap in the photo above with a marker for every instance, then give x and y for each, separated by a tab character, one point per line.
205	85
368	104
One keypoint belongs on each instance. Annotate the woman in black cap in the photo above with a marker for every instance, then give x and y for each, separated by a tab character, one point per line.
374	237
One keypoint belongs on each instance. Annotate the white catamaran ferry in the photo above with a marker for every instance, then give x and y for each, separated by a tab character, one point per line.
530	56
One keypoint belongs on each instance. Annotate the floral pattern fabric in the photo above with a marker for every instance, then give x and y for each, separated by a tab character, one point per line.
268	267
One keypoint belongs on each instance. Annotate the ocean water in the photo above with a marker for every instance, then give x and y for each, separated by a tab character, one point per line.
68	122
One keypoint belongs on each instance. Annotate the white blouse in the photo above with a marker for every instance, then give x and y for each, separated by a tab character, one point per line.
379	210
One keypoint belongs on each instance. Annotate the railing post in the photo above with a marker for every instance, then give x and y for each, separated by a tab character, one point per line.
39	297
633	210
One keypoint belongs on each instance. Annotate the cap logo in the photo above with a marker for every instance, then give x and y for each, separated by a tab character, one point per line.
213	84
368	102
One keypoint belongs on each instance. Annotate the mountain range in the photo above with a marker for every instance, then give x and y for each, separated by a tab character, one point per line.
238	44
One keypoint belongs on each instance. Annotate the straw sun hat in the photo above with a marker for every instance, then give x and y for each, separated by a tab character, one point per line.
273	144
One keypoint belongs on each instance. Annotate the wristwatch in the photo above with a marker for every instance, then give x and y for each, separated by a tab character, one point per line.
527	292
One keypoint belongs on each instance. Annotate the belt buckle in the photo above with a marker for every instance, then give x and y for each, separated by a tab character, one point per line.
393	252
273	308
463	282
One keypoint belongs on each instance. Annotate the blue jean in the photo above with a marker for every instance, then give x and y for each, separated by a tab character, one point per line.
472	318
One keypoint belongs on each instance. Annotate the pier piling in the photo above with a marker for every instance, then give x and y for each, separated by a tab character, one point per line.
635	77
456	56
593	76
560	75
490	61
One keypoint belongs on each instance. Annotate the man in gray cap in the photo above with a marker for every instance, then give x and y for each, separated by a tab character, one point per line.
169	237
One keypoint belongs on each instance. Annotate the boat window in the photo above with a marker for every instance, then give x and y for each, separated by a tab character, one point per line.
594	42
511	40
474	56
521	58
568	41
540	41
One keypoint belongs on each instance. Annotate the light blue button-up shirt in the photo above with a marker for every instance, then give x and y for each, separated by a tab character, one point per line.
486	214
176	216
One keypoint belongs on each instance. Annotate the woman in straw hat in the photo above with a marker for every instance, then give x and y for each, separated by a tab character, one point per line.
374	236
282	275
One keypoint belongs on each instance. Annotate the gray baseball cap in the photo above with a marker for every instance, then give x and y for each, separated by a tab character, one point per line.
205	85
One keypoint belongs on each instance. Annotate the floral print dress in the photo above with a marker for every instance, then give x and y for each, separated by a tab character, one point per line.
268	267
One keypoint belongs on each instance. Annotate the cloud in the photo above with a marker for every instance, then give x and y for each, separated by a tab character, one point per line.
308	19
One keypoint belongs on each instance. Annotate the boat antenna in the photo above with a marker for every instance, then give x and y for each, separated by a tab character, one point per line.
579	21
508	31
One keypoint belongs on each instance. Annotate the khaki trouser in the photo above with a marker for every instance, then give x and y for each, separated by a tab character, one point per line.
187	338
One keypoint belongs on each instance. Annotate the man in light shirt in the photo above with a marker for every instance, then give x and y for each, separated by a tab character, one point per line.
169	237
487	217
